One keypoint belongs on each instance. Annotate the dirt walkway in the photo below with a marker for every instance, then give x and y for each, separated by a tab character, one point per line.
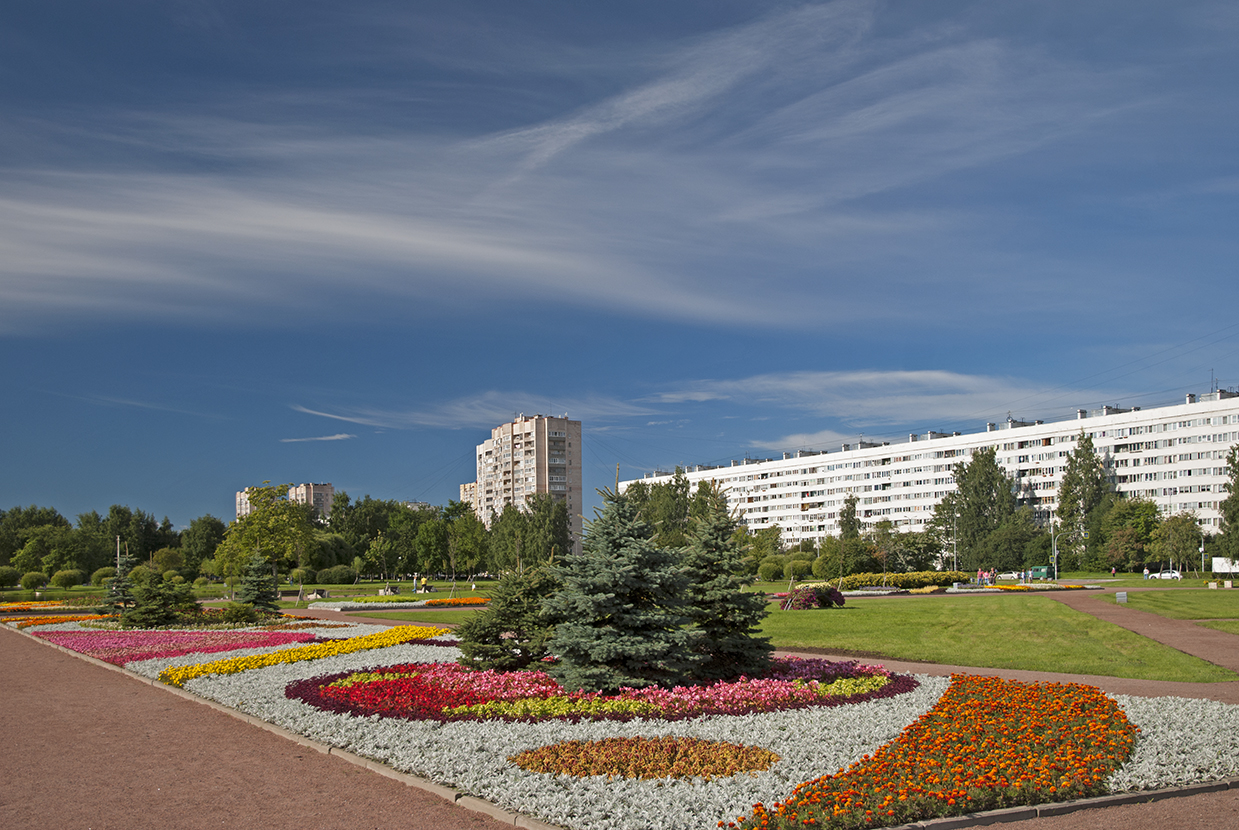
88	748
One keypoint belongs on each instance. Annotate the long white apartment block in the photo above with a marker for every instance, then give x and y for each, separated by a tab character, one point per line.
1173	455
531	454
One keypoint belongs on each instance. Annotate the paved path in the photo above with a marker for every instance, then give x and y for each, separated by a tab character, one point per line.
86	747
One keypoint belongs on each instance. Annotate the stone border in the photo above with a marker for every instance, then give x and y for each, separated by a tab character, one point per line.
478	805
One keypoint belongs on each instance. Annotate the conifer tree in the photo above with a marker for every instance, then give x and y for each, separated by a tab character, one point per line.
511	632
120	590
620	615
258	586
158	603
724	617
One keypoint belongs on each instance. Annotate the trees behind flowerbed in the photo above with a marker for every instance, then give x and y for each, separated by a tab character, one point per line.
510	632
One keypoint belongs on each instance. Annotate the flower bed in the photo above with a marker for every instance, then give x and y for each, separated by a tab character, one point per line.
987	743
383	639
667	757
448	691
27	622
121	647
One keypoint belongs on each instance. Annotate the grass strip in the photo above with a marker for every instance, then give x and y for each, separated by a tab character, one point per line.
1003	632
1197	604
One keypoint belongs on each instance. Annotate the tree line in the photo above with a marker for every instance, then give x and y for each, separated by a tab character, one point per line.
367	537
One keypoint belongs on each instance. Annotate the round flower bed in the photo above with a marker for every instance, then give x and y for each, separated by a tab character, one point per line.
451	692
667	757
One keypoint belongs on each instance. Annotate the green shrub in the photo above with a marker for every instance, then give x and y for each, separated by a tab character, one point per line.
240	614
68	578
769	570
100	575
171	574
338	575
797	568
158	603
34	579
141	574
9	576
201	582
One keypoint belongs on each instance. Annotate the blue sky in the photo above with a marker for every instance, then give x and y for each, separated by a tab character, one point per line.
338	242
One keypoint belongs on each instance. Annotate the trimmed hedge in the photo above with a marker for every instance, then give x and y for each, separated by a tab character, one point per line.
917	579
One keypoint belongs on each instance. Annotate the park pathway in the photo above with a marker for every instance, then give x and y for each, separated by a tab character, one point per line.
88	747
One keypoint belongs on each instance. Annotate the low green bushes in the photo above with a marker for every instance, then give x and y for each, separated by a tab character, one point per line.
33	579
68	578
338	575
99	576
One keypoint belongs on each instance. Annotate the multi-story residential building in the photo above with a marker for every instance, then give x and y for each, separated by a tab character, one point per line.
319	496
1173	455
532	454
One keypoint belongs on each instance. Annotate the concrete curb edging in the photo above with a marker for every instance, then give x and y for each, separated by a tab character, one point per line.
478	805
1008	814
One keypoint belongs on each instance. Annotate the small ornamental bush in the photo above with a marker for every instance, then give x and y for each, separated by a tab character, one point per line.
666	757
171	574
140	575
201	582
97	578
769	571
337	575
34	579
813	596
68	578
238	613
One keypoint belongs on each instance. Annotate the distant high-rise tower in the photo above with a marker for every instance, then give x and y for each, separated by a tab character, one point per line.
532	454
318	495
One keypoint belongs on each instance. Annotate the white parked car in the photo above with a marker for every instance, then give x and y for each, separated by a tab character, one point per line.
1012	575
1166	575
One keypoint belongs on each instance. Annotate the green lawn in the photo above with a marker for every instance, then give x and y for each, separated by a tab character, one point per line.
452	616
988	631
1186	605
1229	626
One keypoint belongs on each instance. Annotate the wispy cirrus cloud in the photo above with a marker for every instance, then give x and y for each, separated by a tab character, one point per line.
484	410
339	436
883	398
754	149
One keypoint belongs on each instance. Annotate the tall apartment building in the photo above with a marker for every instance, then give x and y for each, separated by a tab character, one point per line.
318	495
531	454
1173	455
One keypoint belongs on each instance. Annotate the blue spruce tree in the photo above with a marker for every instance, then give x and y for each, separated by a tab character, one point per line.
620	616
724	617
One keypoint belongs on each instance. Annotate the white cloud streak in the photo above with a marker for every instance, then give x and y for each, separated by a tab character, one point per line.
881	398
339	436
484	410
722	190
